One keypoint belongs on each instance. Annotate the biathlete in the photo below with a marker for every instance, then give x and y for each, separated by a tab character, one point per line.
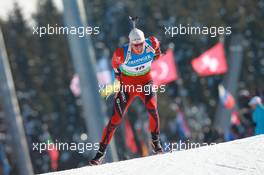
132	65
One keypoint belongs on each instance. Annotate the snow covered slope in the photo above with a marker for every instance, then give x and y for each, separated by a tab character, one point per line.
240	157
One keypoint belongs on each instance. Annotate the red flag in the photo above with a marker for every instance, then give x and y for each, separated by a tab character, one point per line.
130	139
54	154
54	157
163	70
75	85
235	118
211	62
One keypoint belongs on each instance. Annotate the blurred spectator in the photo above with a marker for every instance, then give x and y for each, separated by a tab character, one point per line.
258	114
233	133
4	165
212	135
180	125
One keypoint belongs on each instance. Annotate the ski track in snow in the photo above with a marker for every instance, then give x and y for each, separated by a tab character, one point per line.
239	157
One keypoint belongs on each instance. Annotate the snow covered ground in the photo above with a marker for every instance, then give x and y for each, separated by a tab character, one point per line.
240	157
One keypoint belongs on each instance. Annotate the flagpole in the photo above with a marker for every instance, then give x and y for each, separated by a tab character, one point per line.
84	63
13	116
222	117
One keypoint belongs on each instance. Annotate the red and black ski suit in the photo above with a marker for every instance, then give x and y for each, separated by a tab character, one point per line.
123	99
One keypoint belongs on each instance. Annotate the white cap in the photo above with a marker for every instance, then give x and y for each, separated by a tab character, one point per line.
255	100
136	36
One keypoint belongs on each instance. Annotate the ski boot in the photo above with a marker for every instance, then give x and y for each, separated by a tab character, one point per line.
99	157
156	145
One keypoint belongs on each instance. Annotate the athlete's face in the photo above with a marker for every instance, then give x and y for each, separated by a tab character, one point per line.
138	48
